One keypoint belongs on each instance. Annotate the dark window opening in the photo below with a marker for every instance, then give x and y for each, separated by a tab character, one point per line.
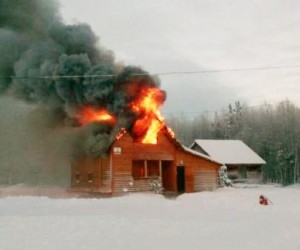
145	169
138	170
153	168
242	172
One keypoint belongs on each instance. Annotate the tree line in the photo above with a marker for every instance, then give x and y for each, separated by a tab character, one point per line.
272	131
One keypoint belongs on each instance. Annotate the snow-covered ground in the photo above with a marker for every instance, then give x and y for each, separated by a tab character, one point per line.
229	218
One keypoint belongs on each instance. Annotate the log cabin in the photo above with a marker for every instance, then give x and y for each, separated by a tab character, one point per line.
243	164
132	166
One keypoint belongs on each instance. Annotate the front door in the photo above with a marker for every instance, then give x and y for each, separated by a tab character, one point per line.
180	179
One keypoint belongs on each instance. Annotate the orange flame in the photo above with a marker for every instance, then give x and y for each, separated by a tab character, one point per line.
121	133
88	115
151	121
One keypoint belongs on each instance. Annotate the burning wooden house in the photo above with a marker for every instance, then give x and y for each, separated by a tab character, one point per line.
144	157
135	166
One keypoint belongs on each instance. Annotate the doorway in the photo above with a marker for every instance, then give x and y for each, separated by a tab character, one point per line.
167	173
180	179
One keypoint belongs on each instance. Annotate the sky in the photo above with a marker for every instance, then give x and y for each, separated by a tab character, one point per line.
172	36
228	219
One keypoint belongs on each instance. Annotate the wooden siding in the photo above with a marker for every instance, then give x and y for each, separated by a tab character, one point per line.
91	174
168	176
131	151
206	179
200	174
114	173
121	164
81	170
245	173
106	175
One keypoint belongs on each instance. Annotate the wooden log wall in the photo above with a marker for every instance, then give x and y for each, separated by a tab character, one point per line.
206	179
200	174
251	173
125	151
114	173
91	175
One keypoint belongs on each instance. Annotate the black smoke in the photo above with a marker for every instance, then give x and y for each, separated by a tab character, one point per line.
46	62
61	68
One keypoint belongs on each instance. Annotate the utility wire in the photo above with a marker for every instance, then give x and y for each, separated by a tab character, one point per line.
229	70
212	112
161	73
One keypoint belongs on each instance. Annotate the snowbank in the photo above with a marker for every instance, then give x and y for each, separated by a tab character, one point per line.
229	218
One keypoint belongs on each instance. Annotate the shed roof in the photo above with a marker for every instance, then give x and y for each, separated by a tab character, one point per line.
229	151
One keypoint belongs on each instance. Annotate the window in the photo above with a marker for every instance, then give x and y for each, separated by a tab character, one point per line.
153	168
138	169
117	150
242	171
145	169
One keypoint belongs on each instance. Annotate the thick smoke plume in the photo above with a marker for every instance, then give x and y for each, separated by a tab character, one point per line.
38	56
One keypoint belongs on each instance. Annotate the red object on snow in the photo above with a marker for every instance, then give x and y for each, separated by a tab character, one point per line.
263	200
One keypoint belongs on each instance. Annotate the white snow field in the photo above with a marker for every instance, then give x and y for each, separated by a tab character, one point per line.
229	218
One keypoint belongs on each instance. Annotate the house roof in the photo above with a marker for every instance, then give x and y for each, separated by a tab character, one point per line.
188	150
229	151
177	144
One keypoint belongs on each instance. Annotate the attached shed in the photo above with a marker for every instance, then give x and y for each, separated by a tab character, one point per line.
133	166
243	164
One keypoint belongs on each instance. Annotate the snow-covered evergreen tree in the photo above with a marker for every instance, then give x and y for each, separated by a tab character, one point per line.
224	180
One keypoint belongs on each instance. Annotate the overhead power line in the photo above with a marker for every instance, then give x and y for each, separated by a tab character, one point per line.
161	73
229	70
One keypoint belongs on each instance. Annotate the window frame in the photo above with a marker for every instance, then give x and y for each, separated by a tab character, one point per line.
146	169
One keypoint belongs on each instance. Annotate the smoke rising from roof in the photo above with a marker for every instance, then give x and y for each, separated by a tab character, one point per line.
35	43
38	51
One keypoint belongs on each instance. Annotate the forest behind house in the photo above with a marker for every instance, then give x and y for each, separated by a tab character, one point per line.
272	131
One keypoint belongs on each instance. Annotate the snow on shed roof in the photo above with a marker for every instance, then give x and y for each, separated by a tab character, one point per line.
229	151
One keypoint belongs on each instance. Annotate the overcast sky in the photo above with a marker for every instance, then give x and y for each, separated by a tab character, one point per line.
198	35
